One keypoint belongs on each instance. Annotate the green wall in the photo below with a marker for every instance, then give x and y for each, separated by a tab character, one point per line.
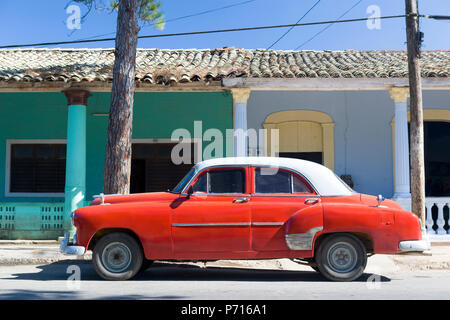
43	115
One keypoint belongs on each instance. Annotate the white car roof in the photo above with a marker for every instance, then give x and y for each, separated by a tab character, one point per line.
322	179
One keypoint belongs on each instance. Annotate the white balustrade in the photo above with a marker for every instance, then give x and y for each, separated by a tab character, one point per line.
440	221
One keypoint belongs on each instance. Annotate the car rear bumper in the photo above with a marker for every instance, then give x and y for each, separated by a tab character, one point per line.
70	249
415	245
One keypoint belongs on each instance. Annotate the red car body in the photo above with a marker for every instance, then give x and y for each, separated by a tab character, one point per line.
203	226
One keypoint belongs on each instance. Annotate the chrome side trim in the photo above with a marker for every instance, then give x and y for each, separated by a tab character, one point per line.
267	223
302	241
206	224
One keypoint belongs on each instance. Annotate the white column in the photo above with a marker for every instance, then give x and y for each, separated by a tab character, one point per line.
240	97
402	192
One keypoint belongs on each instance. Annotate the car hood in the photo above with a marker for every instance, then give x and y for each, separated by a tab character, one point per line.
135	197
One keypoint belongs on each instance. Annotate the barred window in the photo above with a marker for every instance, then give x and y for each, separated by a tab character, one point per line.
38	168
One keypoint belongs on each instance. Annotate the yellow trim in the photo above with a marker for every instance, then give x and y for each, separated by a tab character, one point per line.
428	115
274	120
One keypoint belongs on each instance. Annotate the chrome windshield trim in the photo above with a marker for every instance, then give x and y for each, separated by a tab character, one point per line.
183	192
207	224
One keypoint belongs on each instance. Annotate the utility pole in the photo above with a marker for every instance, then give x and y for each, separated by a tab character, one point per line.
417	158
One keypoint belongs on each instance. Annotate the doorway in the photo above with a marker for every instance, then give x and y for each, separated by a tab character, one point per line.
152	169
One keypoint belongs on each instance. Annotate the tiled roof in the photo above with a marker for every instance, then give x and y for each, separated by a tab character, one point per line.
164	66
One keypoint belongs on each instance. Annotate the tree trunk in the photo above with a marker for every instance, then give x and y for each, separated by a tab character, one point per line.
416	126
116	178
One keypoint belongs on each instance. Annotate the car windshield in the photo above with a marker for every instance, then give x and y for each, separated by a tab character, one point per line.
180	186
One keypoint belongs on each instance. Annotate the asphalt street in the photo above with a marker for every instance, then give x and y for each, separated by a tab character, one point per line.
59	280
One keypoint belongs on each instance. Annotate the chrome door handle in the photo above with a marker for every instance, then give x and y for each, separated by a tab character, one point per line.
312	200
241	200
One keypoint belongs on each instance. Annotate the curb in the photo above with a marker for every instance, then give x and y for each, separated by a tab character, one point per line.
43	260
27	242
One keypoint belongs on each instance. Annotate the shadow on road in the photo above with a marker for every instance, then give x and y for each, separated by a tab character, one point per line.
73	295
165	271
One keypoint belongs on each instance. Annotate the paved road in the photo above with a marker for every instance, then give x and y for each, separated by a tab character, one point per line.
185	281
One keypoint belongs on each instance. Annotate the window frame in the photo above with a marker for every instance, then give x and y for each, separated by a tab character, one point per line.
215	168
9	143
292	194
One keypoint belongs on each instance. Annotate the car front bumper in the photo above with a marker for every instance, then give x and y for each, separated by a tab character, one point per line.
69	249
415	245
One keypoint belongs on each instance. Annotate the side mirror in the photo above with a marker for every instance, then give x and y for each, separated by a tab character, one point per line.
190	191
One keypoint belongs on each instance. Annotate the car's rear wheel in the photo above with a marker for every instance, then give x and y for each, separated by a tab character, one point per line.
117	256
341	257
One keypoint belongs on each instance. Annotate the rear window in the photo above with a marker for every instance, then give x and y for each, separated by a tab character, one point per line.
279	181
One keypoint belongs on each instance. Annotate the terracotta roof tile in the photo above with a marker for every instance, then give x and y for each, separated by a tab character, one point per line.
163	66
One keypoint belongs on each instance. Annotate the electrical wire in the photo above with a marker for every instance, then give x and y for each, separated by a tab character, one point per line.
179	18
284	34
207	31
342	15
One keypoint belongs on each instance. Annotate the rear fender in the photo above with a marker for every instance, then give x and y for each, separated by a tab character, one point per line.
303	227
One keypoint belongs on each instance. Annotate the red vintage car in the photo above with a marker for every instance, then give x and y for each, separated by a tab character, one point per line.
246	208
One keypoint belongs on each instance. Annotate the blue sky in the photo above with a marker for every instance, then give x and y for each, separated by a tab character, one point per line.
32	21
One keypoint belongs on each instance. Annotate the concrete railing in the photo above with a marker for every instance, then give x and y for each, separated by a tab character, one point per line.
437	217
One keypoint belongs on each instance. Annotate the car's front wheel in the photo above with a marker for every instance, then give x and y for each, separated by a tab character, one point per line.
117	256
341	257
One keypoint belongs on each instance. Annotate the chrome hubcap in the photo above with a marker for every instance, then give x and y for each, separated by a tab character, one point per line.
342	257
116	257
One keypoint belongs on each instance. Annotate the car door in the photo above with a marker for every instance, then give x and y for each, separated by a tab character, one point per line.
276	195
216	217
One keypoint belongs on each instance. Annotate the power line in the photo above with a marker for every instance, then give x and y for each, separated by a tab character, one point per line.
179	18
435	17
327	26
315	4
204	32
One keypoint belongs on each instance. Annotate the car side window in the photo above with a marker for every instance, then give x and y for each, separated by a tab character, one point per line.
279	181
300	186
221	181
269	181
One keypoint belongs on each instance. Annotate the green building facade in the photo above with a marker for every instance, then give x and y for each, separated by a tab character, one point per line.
33	123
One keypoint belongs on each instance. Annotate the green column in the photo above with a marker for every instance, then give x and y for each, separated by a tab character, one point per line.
75	188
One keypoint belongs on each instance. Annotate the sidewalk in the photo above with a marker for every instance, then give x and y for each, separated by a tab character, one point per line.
24	252
46	252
